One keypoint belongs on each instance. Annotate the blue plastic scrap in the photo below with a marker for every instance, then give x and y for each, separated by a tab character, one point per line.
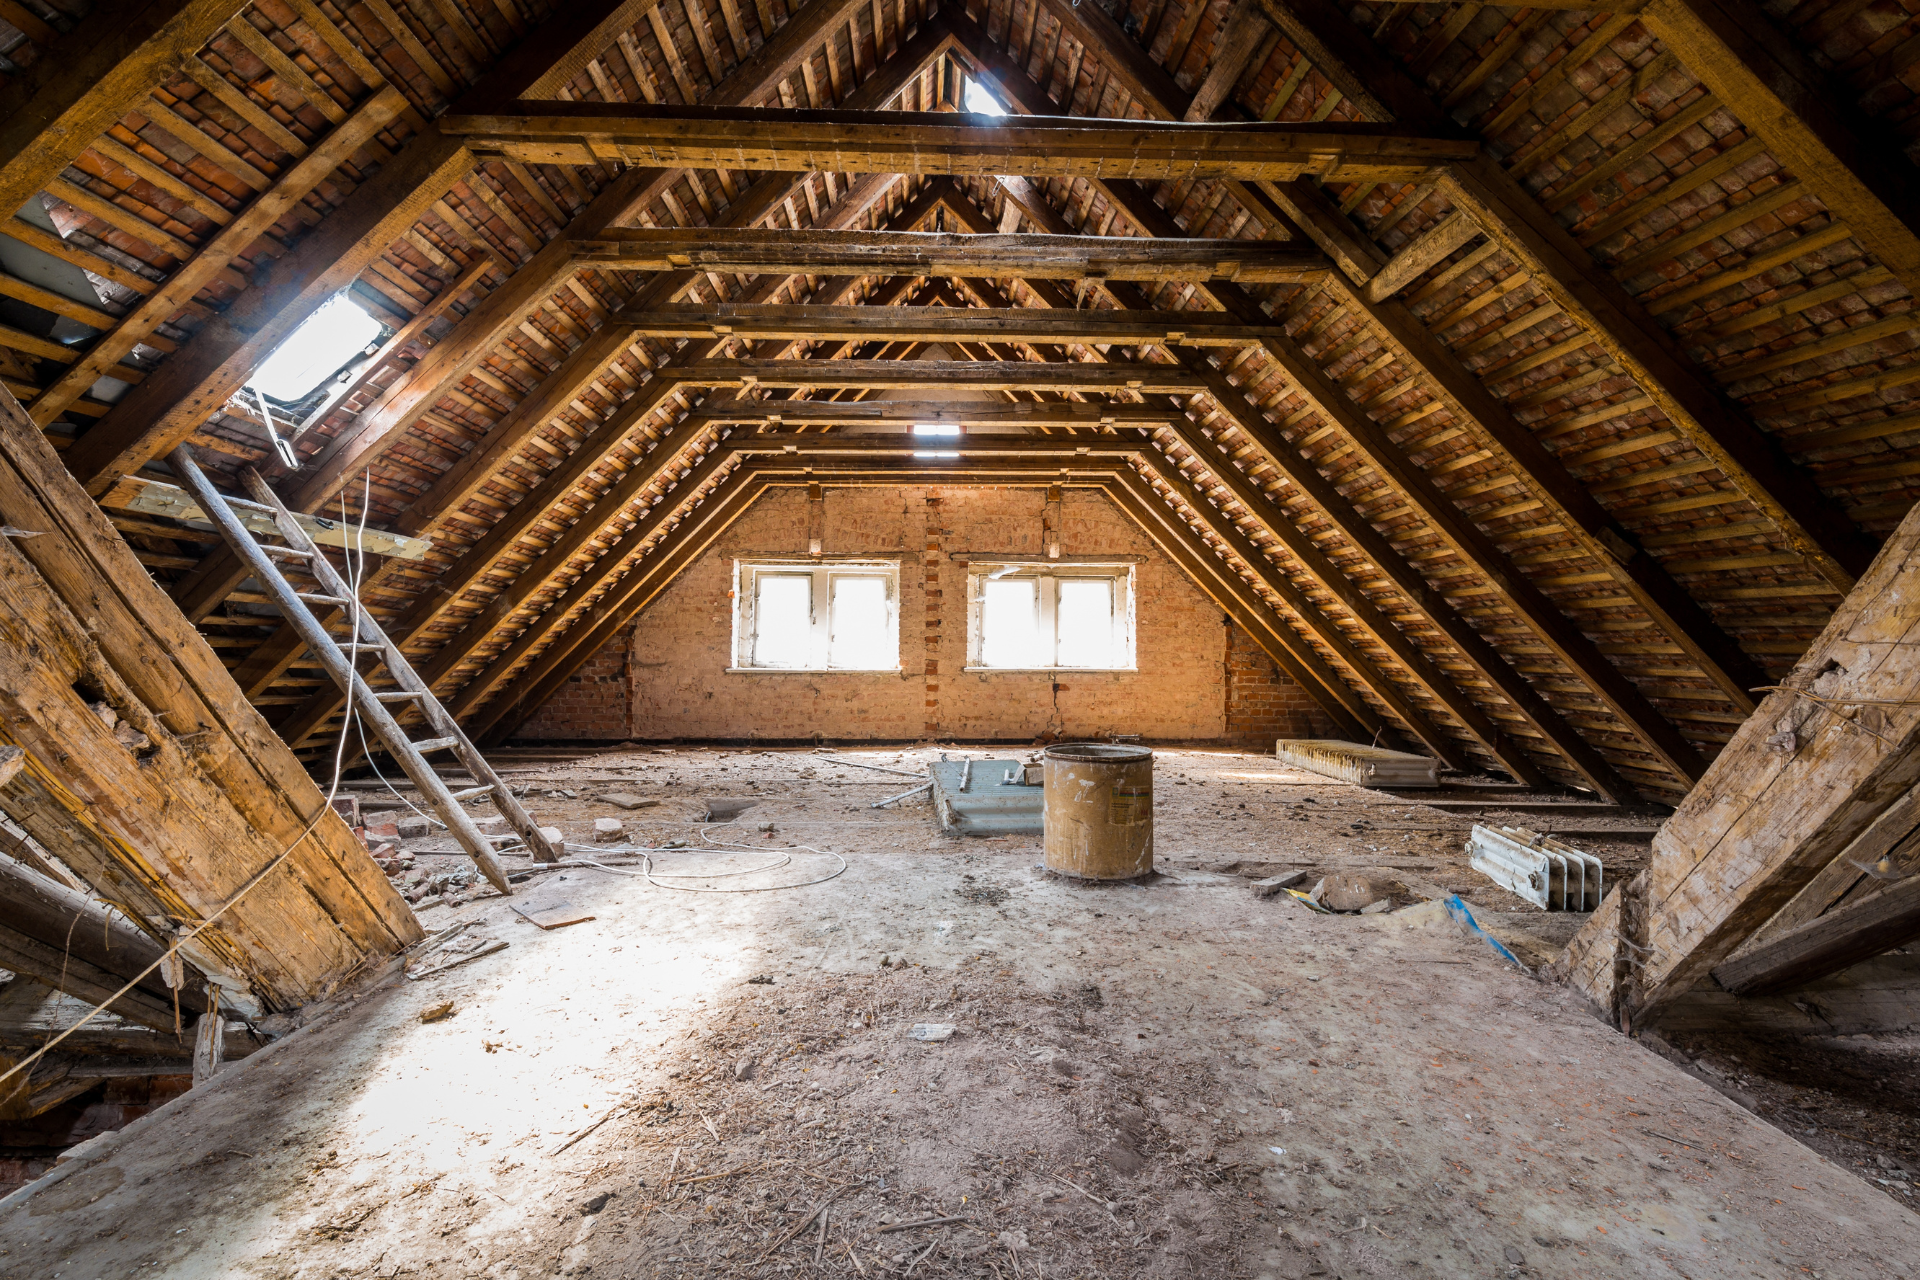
1458	910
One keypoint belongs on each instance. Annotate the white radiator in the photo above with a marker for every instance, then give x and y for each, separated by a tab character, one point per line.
1363	766
1546	872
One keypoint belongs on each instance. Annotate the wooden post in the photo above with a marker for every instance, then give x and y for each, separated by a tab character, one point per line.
209	1041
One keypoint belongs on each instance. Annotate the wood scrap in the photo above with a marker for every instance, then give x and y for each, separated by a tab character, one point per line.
923	1222
452	957
557	916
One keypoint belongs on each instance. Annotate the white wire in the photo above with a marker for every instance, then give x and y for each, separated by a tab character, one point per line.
654	877
354	577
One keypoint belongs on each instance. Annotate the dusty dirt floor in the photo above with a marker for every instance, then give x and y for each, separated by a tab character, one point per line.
1170	1079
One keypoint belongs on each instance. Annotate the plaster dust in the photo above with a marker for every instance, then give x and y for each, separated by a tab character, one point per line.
1161	1079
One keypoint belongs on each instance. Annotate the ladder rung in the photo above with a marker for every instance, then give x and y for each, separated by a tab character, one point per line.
433	744
395	695
354	644
292	553
320	599
470	793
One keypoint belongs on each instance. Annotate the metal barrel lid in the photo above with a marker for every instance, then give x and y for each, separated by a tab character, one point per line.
1098	753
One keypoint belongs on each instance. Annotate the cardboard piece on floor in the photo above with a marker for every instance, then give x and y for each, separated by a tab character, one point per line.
557	916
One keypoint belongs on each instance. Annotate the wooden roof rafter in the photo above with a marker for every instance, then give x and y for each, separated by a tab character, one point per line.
1541	616
1442	419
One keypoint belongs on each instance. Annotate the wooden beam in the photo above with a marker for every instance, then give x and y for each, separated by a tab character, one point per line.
1610	544
87	79
216	255
1823	759
193	383
68	941
933	142
197	796
56	967
1855	931
943	375
1239	39
1753	462
901	414
1893	836
1414	261
894	444
1262	623
939	324
1443	745
760	251
1806	118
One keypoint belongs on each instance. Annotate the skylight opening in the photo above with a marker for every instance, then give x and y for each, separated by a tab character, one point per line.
975	100
328	339
934	429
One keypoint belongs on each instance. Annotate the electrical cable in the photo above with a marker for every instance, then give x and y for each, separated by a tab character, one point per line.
354	577
653	877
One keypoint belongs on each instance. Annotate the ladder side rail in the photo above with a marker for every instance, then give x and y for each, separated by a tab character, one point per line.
438	719
338	665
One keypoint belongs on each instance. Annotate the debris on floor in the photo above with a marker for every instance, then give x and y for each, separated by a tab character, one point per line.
1167	1078
557	916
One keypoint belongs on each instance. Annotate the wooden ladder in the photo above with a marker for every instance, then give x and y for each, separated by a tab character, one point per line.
341	662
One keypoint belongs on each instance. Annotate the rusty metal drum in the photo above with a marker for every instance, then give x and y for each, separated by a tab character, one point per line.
1098	817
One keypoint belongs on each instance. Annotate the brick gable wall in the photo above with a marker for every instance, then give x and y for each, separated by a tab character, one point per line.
666	676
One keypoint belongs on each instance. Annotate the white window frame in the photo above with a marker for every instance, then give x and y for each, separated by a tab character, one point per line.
746	575
1049	575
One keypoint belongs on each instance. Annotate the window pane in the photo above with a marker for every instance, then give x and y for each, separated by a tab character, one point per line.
861	638
782	619
1086	622
325	341
1010	623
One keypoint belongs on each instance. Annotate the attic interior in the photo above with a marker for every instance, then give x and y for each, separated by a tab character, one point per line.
1016	638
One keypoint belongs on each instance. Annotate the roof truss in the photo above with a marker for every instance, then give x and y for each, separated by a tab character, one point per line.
639	267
